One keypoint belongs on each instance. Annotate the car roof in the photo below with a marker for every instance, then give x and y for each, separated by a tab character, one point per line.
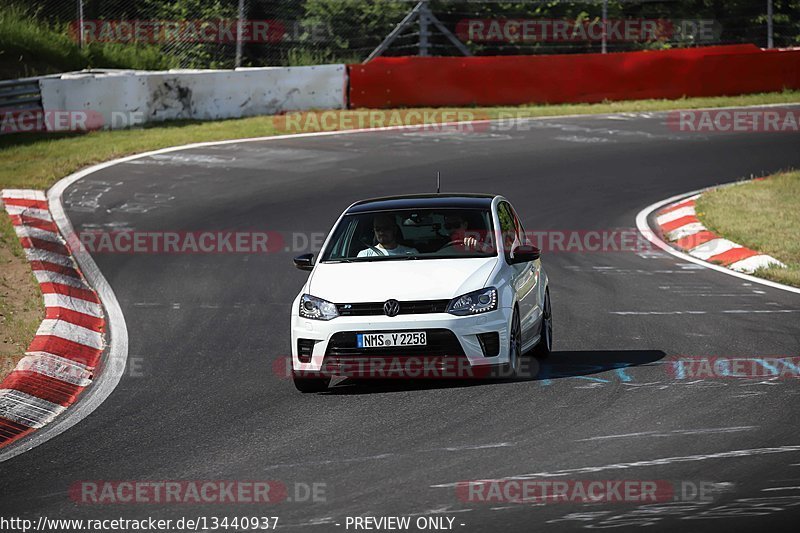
424	201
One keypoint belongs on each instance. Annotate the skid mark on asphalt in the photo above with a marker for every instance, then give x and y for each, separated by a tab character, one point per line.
673	433
326	520
143	203
454	135
524	125
585	140
382	456
625	313
627	271
626	378
183	159
85	197
651	514
663	461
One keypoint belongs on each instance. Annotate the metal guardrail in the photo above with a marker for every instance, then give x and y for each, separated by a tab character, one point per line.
21	95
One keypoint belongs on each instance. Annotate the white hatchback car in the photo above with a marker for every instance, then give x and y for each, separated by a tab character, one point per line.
439	285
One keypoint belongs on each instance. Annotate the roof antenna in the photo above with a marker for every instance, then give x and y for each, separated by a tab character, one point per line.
438	181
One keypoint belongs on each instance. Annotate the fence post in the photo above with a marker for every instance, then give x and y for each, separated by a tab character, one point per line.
239	30
770	40
605	27
80	23
423	29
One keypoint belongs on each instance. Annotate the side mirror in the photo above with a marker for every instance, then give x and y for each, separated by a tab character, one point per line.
524	254
304	262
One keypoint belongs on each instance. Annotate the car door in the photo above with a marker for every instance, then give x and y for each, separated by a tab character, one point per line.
526	277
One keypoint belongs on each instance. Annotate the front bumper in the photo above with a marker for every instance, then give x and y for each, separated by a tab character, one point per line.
332	355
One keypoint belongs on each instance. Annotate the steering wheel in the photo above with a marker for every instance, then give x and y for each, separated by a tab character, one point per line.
455	242
479	246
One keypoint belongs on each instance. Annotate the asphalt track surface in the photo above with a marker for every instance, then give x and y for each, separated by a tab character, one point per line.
201	401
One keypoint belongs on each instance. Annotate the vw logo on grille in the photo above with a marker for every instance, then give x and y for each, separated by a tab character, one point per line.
391	307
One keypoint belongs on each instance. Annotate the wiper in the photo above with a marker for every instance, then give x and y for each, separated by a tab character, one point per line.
338	261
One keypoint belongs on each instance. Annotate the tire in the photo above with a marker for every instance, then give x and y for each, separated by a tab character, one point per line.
545	345
515	347
308	385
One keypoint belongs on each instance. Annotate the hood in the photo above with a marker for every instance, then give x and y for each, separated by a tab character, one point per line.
403	280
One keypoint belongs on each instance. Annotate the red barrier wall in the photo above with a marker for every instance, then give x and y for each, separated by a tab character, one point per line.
514	80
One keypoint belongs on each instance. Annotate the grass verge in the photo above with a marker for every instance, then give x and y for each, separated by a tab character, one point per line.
39	160
763	215
21	309
30	47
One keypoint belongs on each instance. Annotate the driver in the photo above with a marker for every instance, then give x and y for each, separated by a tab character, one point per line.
386	233
456	227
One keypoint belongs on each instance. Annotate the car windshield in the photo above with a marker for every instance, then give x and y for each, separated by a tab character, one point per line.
411	234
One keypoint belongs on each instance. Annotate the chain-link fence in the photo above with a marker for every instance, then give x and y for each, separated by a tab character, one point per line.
226	33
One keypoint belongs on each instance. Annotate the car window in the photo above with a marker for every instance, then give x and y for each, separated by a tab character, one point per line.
412	234
508	226
522	237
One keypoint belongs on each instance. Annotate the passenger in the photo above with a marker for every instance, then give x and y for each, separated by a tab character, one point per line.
386	234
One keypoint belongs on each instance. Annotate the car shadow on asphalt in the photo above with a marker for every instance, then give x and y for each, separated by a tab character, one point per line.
558	365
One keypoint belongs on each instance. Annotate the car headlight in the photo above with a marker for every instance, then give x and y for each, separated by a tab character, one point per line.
474	303
317	308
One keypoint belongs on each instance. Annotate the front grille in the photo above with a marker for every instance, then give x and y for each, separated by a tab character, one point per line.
305	347
418	307
490	343
440	342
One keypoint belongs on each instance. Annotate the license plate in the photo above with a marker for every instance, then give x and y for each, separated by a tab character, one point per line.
382	340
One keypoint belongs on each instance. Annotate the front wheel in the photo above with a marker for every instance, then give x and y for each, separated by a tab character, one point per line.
306	385
545	345
515	347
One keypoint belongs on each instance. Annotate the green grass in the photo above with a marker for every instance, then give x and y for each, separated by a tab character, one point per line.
30	47
21	309
39	160
763	215
298	57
